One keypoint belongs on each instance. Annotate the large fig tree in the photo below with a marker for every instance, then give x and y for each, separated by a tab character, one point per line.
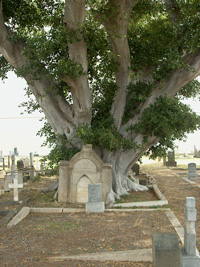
107	72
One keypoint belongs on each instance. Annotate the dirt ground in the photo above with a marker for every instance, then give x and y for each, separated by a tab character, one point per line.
41	236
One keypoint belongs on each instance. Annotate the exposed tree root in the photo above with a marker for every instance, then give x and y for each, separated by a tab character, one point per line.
50	188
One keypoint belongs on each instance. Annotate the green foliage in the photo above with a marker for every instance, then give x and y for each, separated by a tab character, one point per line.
156	47
61	149
192	89
168	119
4	68
103	136
136	94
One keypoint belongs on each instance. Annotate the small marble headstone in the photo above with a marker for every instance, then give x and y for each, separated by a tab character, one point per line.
190	255
95	203
94	192
192	173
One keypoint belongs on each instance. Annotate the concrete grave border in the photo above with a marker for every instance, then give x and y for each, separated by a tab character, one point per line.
143	255
161	202
24	212
187	180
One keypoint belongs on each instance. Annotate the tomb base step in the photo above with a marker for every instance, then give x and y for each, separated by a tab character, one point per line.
95	207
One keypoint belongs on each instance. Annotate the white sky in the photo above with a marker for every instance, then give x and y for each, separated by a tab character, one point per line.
18	130
21	133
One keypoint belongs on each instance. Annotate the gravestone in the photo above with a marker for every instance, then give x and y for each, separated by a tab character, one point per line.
42	169
20	177
83	169
8	162
136	169
6	183
26	162
20	164
196	153
171	159
192	173
166	251
15	185
13	167
16	153
190	255
31	159
95	203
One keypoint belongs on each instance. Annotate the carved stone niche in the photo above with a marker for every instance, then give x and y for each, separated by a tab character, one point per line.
84	168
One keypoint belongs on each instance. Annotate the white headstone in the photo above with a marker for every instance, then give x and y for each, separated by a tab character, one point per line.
192	173
95	203
16	186
190	254
190	233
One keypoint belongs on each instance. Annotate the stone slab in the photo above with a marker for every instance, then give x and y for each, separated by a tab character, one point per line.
129	255
176	224
193	175
47	210
68	210
166	251
143	204
7	217
95	207
19	217
157	192
190	261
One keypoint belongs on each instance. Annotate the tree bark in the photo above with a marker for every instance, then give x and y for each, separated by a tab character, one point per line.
81	95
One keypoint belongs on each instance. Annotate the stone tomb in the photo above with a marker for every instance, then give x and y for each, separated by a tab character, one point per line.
83	169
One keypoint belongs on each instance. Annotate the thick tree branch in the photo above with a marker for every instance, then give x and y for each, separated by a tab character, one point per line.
116	27
173	83
81	95
57	111
173	10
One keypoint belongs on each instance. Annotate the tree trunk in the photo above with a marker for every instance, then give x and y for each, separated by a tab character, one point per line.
121	162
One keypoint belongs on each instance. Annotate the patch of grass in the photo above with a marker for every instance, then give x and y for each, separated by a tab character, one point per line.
139	196
36	178
55	227
45	197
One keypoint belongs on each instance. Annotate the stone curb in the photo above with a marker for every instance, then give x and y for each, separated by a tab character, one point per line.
26	210
7	217
144	255
187	180
19	217
163	201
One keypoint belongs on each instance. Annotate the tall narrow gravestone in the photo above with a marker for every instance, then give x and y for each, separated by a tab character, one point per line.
13	168
171	159
192	172
190	255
